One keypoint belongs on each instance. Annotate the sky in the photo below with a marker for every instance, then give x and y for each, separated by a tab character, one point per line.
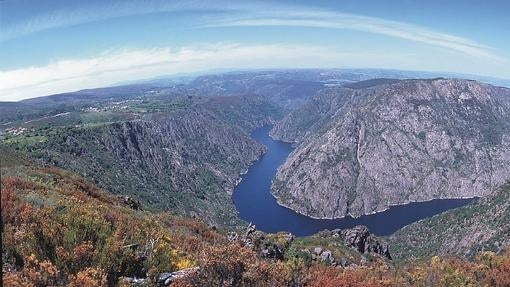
49	47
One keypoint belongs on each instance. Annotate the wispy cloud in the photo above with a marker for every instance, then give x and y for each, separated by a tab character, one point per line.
335	20
242	14
116	66
87	13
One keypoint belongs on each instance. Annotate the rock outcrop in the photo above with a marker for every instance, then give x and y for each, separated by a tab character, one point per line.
360	150
266	245
359	239
365	247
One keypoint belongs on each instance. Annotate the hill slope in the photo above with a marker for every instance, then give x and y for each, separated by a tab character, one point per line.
465	231
185	160
58	229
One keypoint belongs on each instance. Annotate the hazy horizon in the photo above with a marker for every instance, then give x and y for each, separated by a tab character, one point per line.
59	46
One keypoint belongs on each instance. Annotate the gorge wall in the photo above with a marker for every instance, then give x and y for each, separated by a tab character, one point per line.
363	148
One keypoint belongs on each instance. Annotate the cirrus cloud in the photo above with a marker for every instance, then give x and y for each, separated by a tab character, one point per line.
250	13
336	20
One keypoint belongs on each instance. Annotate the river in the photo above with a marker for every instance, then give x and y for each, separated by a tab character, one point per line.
255	203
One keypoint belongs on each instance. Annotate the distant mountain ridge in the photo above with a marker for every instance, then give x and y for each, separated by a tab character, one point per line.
202	80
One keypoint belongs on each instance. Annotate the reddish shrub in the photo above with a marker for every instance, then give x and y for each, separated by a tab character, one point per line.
8	199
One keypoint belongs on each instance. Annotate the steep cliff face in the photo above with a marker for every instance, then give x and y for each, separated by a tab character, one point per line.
360	150
482	226
185	159
184	162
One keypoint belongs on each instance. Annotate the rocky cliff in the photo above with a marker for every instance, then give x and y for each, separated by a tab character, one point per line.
361	149
185	161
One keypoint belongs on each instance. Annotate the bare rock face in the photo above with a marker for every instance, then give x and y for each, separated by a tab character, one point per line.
360	150
364	242
357	238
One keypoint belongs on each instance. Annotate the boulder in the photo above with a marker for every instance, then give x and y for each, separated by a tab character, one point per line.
326	256
165	278
271	251
232	236
134	281
250	229
131	203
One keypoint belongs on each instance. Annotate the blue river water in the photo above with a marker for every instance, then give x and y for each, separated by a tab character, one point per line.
255	203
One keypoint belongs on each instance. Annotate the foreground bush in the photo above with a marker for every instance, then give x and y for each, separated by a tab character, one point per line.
58	230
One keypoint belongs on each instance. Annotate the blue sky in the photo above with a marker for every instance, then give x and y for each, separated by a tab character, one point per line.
57	46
